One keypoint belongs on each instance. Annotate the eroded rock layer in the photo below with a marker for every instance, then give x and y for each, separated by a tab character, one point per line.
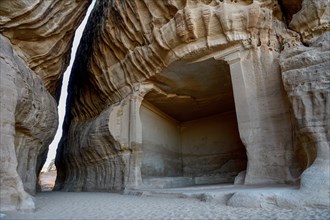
168	93
154	84
306	78
305	68
28	113
41	33
36	37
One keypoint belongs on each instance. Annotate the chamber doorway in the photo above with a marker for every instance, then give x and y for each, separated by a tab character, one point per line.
189	127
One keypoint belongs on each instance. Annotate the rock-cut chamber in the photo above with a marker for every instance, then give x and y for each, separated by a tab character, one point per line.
189	127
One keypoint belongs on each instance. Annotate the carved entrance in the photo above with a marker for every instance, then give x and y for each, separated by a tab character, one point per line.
189	127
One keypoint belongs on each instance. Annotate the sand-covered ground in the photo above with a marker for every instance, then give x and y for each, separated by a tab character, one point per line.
87	205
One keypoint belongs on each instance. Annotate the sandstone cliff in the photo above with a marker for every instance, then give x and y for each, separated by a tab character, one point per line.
36	38
134	116
168	93
306	78
139	52
305	68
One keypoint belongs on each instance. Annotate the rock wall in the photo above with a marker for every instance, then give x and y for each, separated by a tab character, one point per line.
305	68
36	37
41	33
124	57
21	143
269	59
306	78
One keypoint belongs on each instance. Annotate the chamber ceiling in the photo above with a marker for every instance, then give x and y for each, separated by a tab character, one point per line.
193	90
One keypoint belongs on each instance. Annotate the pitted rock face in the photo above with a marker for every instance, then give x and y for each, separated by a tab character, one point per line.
289	8
306	75
312	20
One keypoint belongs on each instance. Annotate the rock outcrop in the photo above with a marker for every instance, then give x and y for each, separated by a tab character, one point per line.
36	37
305	69
306	78
168	93
47	177
148	77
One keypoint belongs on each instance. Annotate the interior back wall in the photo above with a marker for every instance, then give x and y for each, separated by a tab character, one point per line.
212	146
161	143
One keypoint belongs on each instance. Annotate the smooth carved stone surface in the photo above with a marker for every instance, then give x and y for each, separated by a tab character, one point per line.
28	124
42	33
139	51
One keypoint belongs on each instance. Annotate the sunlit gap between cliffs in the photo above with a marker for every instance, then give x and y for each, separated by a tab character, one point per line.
48	172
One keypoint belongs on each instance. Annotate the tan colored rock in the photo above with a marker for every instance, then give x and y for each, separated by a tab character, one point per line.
306	79
28	124
47	177
168	93
312	20
188	60
41	33
36	38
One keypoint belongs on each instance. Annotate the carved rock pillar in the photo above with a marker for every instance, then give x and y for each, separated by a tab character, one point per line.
135	142
262	114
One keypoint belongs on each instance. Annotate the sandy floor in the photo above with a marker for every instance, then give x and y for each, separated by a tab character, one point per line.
63	205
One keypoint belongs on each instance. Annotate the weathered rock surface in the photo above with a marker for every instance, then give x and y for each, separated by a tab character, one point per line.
289	8
312	20
47	177
148	76
35	38
41	33
28	124
154	83
168	93
306	78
